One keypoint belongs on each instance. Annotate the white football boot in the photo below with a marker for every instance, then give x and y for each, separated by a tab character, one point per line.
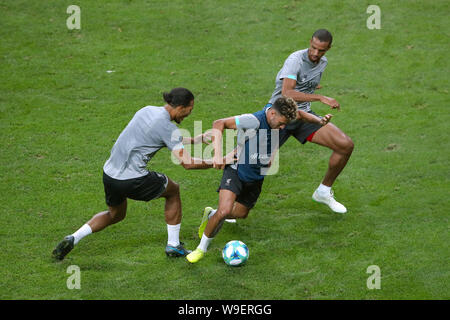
328	199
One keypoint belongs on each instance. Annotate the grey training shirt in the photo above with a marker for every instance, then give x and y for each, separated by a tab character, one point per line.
307	74
148	131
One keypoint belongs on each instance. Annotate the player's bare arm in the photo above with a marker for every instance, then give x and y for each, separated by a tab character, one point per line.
189	162
201	138
305	116
288	90
217	133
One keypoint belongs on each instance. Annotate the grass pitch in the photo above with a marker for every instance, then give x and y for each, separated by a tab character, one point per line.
61	111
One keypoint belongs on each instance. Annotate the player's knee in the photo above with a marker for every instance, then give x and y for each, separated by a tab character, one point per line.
345	146
222	213
243	215
349	146
117	216
173	189
117	213
176	188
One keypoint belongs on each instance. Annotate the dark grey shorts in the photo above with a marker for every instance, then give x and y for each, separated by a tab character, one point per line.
144	188
300	130
247	192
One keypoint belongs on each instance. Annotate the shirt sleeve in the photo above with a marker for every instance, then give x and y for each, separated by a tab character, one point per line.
291	68
246	121
171	137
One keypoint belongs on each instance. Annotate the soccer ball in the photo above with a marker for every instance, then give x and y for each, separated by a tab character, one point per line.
235	253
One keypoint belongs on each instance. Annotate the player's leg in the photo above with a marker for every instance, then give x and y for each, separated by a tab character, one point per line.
230	181
103	219
226	204
332	137
116	200
172	208
239	211
97	223
247	195
117	208
173	216
245	201
342	146
224	210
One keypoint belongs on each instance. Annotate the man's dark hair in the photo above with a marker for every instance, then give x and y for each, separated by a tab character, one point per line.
178	97
286	107
323	35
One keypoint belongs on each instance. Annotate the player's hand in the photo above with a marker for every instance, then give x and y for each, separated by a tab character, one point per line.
219	162
325	119
207	136
331	102
231	157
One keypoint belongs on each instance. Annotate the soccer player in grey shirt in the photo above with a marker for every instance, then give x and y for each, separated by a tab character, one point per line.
125	173
298	79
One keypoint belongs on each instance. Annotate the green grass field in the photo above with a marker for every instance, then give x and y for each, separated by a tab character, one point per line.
61	111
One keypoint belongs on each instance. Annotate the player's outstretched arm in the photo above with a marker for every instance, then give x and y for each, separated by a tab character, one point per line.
288	90
188	162
184	158
330	102
305	116
201	138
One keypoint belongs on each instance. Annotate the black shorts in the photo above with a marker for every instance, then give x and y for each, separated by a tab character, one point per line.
143	188
299	129
247	192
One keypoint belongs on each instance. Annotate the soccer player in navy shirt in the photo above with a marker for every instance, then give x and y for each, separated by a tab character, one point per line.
241	183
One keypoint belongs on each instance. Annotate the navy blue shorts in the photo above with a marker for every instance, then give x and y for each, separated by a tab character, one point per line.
247	192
